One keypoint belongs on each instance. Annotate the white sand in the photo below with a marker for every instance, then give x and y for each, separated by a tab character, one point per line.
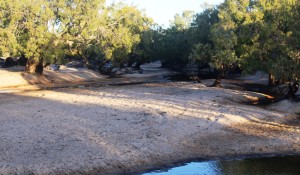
128	129
11	78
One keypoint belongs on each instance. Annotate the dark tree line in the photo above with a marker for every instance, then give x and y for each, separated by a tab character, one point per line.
251	34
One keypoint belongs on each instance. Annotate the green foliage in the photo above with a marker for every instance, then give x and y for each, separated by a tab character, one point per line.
173	45
78	25
201	54
266	33
224	39
24	27
49	31
254	34
202	51
202	24
56	54
142	51
174	48
257	34
126	28
183	21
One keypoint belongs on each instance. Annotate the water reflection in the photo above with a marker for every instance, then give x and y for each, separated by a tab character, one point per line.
194	168
253	166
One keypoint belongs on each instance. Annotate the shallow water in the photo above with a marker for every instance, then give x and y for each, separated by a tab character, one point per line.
289	165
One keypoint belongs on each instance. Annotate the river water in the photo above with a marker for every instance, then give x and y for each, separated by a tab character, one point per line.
289	165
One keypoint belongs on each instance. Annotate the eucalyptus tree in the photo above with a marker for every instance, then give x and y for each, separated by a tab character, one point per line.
268	41
126	35
24	30
202	49
258	35
280	34
223	39
175	42
202	24
142	52
80	26
8	41
294	41
183	21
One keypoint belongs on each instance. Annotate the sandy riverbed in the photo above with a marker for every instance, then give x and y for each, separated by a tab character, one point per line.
130	129
16	79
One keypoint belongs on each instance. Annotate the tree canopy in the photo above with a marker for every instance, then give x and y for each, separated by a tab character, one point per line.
49	30
251	34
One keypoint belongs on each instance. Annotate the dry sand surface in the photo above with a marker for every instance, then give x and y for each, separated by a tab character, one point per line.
131	129
11	78
15	79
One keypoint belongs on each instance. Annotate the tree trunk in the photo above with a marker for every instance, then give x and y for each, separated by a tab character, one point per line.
35	67
86	61
137	65
217	82
271	80
293	88
129	64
